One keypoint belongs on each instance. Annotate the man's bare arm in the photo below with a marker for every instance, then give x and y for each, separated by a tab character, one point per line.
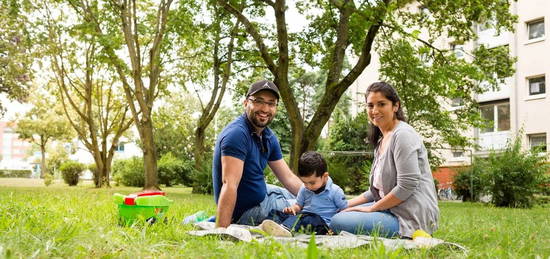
232	171
289	180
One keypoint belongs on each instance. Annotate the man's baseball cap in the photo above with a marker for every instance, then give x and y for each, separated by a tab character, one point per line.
263	85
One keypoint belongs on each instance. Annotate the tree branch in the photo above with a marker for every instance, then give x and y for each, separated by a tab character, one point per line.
255	35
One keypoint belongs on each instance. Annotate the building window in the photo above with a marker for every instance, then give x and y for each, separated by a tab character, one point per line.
537	85
457	102
538	141
458	49
535	29
489	24
497	116
457	153
120	147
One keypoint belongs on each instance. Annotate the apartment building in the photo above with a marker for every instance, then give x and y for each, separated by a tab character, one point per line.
520	107
13	151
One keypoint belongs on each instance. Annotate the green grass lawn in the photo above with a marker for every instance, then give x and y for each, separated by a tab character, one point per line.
61	221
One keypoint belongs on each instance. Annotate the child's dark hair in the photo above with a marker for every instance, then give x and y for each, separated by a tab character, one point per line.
311	162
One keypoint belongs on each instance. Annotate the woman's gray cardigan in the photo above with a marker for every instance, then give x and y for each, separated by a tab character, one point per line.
406	172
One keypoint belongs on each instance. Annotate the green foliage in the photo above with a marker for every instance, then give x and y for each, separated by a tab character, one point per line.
129	172
10	173
515	176
202	177
349	171
15	50
174	126
71	170
173	170
281	126
95	173
57	154
468	182
48	179
312	250
43	123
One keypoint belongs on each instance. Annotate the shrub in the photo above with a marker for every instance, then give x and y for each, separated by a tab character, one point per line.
8	173
202	177
48	179
129	172
71	170
468	182
173	170
515	176
349	172
93	168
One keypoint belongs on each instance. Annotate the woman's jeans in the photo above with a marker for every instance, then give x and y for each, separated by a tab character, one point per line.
381	223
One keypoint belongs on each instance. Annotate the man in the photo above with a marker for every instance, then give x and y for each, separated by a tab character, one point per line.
243	149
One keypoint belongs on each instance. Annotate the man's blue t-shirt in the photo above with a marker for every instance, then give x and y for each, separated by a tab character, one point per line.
238	139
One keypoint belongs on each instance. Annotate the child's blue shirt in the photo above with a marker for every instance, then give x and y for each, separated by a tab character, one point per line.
325	204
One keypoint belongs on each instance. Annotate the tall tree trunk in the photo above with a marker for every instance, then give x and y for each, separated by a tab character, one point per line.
43	157
149	156
198	153
107	175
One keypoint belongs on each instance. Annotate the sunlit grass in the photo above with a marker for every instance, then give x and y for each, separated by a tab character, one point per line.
61	221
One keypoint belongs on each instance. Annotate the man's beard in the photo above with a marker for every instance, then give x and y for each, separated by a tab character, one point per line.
252	117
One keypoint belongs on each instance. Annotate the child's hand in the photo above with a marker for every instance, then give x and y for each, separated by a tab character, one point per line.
289	210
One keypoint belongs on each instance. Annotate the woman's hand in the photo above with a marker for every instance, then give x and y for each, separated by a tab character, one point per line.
360	209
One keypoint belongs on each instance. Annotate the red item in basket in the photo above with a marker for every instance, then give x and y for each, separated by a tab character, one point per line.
131	199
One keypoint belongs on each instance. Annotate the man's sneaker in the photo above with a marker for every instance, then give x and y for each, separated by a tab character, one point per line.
271	227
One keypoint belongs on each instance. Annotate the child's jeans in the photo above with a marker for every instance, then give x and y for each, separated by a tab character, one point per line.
303	221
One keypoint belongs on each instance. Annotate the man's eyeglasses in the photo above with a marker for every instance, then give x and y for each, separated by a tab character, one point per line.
260	102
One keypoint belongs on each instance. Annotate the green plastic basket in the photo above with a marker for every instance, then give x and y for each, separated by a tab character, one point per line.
151	208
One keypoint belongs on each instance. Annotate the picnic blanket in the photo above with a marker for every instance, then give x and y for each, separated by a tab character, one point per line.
344	240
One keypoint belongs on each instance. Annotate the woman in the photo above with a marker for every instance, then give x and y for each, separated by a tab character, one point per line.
402	196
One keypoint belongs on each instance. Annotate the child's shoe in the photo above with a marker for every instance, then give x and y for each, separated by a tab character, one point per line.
271	227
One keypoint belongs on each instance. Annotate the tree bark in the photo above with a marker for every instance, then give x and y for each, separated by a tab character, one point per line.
149	156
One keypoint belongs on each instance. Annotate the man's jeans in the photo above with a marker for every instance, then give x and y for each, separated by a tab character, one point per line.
277	198
382	222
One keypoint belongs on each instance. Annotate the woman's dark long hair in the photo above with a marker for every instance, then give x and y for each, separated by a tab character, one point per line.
389	92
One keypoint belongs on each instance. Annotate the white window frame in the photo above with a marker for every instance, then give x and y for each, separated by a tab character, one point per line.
537	95
120	147
495	117
528	27
538	135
